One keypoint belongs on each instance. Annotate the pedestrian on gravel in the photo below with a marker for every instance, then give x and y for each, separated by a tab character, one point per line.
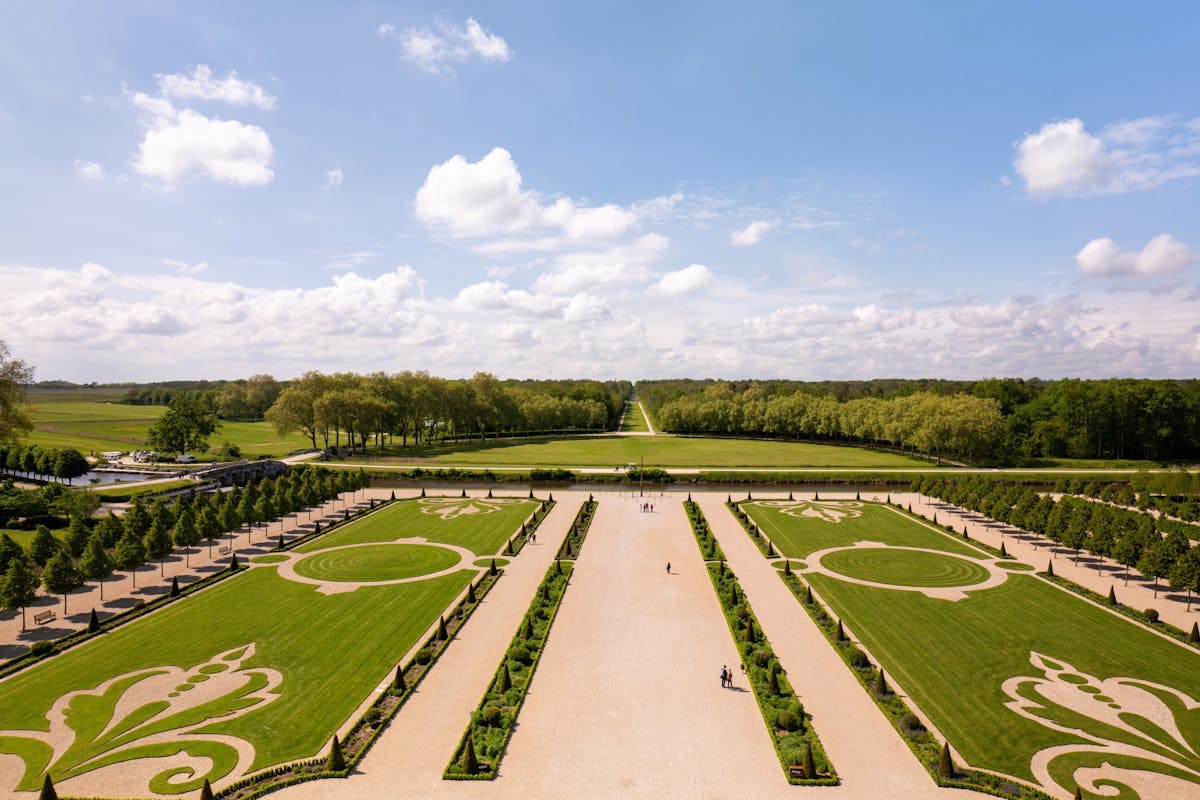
728	677
724	677
668	567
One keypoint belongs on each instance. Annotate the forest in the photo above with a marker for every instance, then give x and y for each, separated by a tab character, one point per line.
1000	421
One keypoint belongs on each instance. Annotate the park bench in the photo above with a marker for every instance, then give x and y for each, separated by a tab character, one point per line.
223	550
42	617
796	771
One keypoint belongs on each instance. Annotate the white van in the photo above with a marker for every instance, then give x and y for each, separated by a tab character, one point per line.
185	458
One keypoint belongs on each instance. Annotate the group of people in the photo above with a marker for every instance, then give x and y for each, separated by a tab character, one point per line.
727	676
647	508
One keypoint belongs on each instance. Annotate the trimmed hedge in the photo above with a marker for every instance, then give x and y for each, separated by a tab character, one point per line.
492	722
756	535
709	547
579	530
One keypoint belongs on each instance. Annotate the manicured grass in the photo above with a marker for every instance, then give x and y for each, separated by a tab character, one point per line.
904	567
483	533
658	451
634	420
374	563
874	523
953	658
119	490
94	423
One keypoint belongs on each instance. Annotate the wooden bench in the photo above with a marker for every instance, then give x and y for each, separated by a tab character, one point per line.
223	550
796	771
42	617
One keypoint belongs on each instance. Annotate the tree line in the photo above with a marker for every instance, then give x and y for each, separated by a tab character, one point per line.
1121	418
418	408
93	549
1156	547
31	460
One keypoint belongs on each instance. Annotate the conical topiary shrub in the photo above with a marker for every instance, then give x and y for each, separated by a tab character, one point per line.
508	548
751	636
1003	551
469	763
422	491
233	565
48	792
398	682
790	497
808	596
816	496
881	687
810	766
93	622
442	635
733	594
546	592
858	496
492	567
1050	568
464	493
174	586
841	632
471	593
945	767
317	527
280	545
206	792
935	522
489	494
557	567
505	678
772	682
1078	793
1112	596
1194	636
527	628
393	497
567	549
336	762
787	568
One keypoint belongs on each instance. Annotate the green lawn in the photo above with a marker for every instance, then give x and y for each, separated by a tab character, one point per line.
326	652
658	451
375	563
953	658
634	420
905	567
483	532
95	423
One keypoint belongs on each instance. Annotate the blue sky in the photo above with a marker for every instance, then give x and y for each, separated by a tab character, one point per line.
805	190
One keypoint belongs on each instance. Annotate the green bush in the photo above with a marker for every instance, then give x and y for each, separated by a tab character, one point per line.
424	655
787	720
520	653
858	659
1151	615
491	716
910	725
42	648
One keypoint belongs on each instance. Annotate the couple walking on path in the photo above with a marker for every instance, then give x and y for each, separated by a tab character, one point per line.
727	677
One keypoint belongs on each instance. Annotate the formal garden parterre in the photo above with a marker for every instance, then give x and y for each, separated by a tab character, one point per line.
255	672
1024	679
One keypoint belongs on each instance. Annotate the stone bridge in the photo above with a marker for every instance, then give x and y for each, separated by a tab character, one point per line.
239	473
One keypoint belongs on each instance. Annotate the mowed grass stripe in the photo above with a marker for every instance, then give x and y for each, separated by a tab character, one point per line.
877	523
482	533
384	562
905	567
953	657
332	651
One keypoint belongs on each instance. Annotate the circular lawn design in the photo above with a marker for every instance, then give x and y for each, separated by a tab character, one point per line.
903	567
376	563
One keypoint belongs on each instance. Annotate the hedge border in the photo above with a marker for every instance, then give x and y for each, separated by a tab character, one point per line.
702	532
578	531
554	571
813	738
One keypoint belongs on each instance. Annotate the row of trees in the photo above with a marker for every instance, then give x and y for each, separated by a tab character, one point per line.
242	399
15	375
418	407
95	549
957	424
1155	420
1156	548
63	463
1175	493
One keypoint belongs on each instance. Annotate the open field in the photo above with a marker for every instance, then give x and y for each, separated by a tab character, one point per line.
256	671
1022	678
658	451
95	423
634	421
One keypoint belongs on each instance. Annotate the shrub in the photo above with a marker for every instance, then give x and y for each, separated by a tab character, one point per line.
336	762
910	725
1112	595
93	622
772	682
398	682
787	720
470	764
48	792
858	659
761	658
42	648
881	687
491	716
521	655
1151	615
1194	636
206	792
424	655
810	766
442	634
945	767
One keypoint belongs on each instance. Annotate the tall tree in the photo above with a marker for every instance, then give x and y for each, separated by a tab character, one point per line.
130	553
43	546
158	543
1185	573
185	425
14	377
61	575
96	564
187	533
77	536
19	586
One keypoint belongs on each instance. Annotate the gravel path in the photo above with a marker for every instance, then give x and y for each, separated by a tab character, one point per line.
869	755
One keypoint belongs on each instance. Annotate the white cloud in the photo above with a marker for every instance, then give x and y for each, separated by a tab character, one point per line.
89	170
486	198
751	234
1062	158
200	85
435	50
333	178
1162	255
184	268
685	281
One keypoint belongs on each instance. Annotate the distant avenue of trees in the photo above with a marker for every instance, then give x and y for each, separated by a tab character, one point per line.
996	420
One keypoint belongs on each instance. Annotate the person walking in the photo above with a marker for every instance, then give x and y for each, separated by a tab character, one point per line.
668	567
728	676
724	677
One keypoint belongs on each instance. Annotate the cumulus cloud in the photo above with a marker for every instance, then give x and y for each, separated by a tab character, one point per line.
486	198
181	143
1162	255
89	170
200	85
685	281
333	178
434	50
1063	158
184	268
751	234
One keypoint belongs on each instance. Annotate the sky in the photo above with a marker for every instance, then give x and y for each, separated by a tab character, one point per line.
803	190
